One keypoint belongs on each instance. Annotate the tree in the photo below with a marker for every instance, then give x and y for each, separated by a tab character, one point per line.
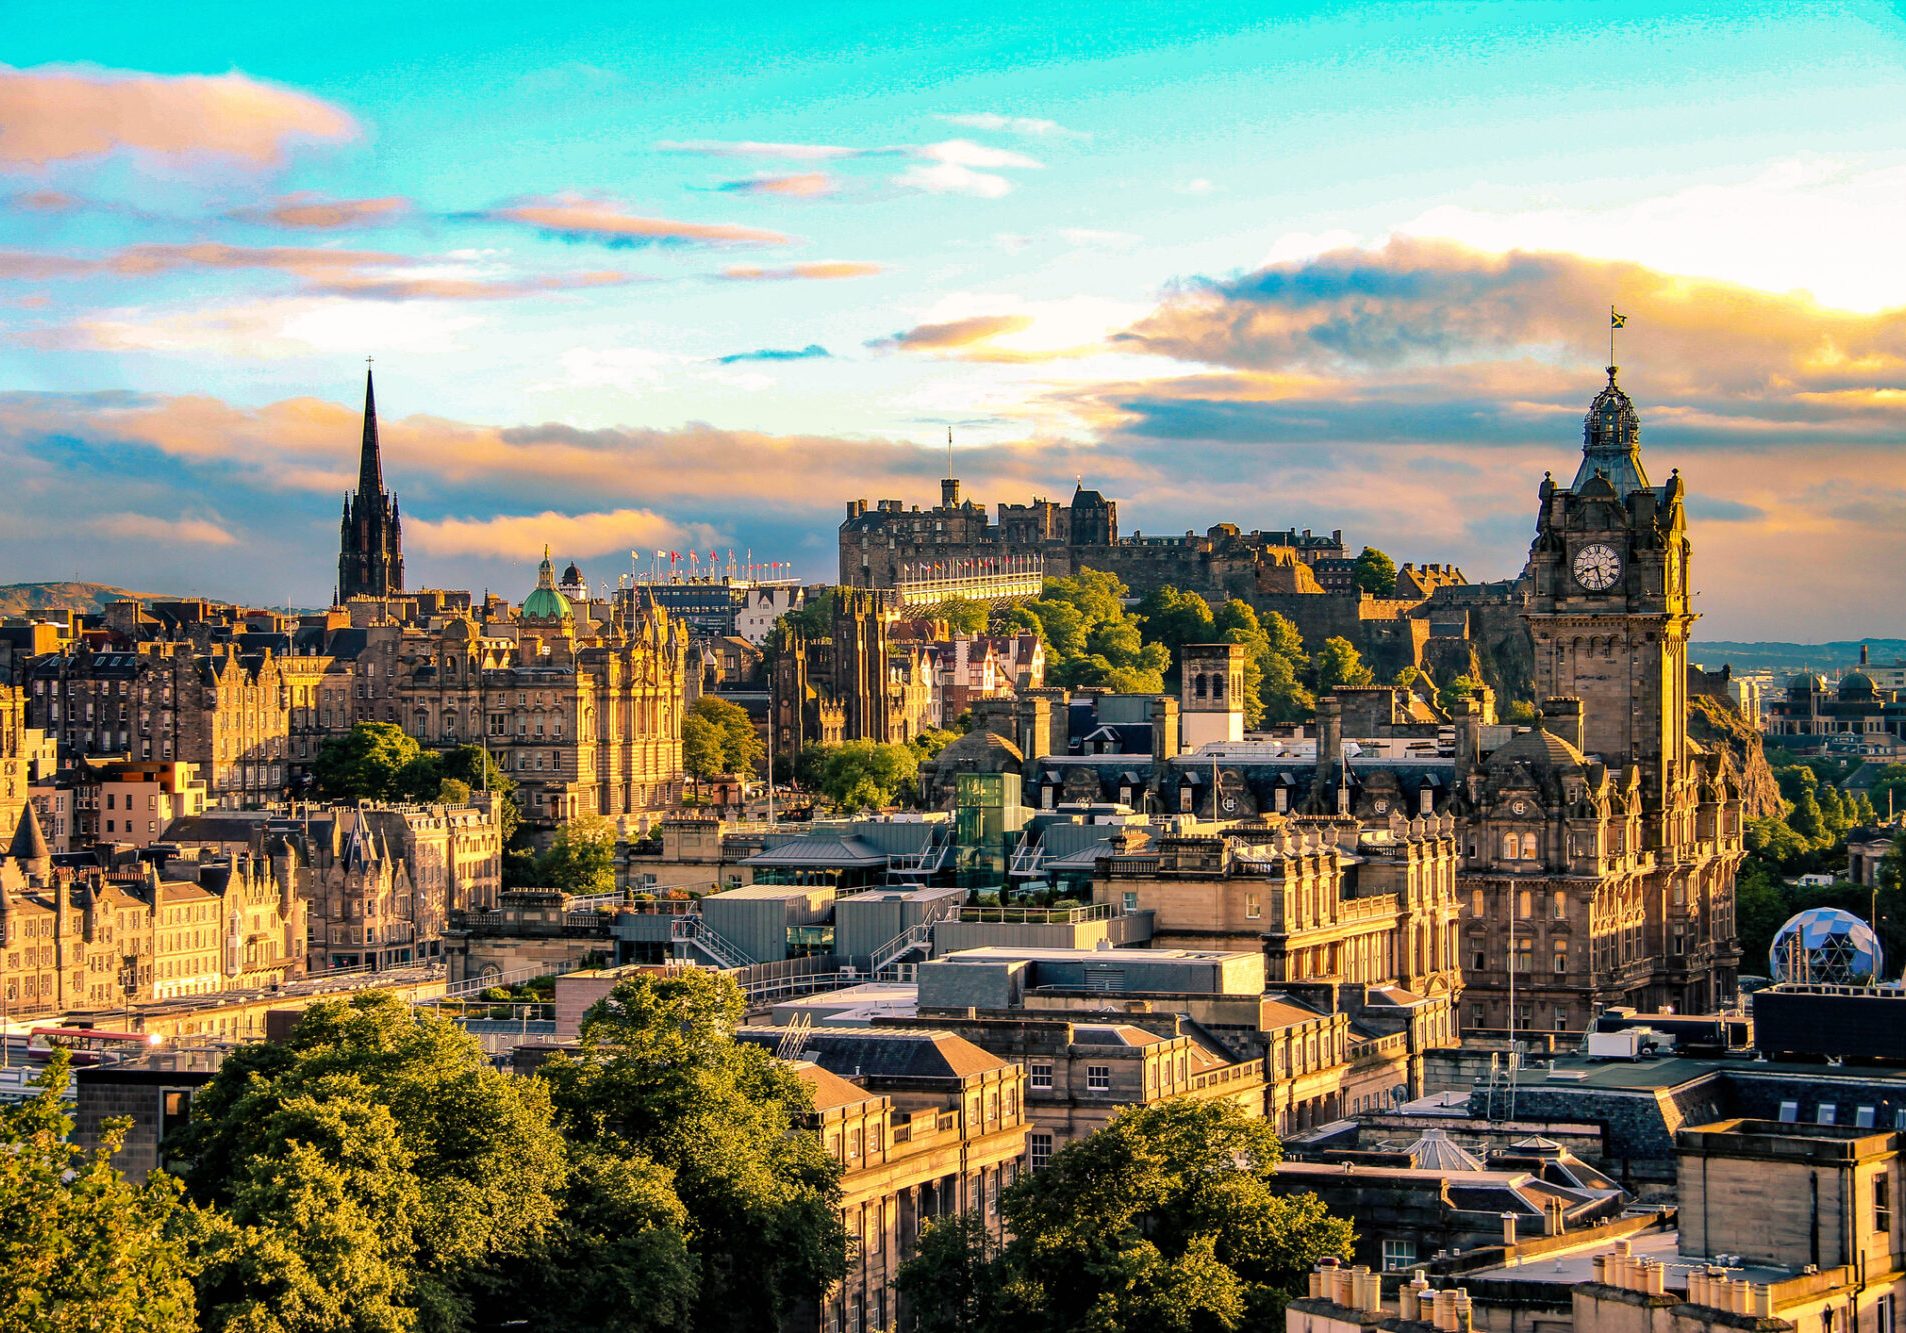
374	1171
374	761
581	858
815	619
1164	1219
473	766
1174	619
1338	663
1887	792
659	1073
702	754
1018	618
935	739
1374	573
81	1247
963	615
738	744
1286	697
865	775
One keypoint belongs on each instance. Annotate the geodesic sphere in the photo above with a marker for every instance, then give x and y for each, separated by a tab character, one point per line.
1826	945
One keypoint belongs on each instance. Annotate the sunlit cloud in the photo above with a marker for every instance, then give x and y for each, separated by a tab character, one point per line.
953	334
576	217
307	211
799	185
790	152
52	113
524	536
147	528
950	166
824	270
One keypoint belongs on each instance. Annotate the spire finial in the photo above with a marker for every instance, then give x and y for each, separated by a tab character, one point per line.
370	463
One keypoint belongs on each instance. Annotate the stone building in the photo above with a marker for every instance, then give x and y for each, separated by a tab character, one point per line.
14	757
121	802
223	711
1855	717
99	938
924	1125
379	882
856	684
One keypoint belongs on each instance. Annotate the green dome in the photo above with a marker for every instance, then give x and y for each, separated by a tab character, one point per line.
545	603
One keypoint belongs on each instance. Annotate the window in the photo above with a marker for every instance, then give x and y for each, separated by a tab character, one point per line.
853	1145
1040	1074
1398	1254
1038	1150
1526	907
1098	1078
1827	1114
1883	1203
1559	909
1253	907
1131	900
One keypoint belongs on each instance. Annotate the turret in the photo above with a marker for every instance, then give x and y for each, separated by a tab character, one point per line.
29	845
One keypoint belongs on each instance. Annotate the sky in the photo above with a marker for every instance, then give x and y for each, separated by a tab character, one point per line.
643	277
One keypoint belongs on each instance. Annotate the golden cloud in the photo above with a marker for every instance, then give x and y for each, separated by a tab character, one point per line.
53	113
580	217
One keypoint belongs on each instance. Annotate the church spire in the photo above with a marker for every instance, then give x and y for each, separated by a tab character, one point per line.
370	463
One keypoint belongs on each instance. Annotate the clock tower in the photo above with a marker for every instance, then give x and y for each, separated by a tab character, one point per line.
1607	601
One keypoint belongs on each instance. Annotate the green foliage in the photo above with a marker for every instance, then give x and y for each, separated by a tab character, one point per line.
1018	618
374	761
719	739
1338	663
581	858
963	615
862	775
1375	573
1888	782
815	619
1174	619
473	766
935	739
659	1076
80	1247
1521	712
372	1172
1165	1219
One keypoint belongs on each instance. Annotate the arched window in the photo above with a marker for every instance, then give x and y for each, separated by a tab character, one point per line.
1508	846
1526	907
1197	687
1475	902
1217	687
1528	847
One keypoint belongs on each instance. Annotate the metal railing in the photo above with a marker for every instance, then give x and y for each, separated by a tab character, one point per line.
1038	916
695	930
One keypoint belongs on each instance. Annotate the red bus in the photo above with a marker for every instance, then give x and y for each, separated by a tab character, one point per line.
89	1046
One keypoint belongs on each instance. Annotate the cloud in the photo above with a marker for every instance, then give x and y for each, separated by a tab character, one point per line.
952	335
800	185
575	217
1027	125
950	166
1197	185
54	113
824	269
146	528
813	351
268	329
1089	238
307	211
524	536
791	152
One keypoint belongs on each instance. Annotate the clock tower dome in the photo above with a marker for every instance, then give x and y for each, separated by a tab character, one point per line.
1607	601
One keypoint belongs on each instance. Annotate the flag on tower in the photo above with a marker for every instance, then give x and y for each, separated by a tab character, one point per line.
1616	320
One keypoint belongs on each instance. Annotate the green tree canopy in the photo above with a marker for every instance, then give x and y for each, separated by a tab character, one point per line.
373	1171
815	619
719	739
81	1248
659	1074
1165	1219
1338	663
473	766
581	857
1174	618
374	761
866	775
963	615
1375	573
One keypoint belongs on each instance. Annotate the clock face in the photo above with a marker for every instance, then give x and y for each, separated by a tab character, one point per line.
1597	567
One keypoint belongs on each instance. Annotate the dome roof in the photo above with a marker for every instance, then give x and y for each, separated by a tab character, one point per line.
1541	750
1857	685
1805	683
571	574
545	603
1611	441
981	747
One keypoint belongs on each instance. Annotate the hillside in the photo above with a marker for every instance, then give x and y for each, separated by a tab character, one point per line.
1777	656
20	598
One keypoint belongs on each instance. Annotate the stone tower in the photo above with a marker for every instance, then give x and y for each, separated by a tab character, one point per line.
1211	693
1607	603
371	544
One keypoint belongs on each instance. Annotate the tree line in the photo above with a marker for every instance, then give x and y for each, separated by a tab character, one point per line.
373	1172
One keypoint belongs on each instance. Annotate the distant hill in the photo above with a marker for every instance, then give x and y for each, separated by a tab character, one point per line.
1775	656
19	598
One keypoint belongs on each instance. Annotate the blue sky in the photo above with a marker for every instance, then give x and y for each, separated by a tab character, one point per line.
1325	266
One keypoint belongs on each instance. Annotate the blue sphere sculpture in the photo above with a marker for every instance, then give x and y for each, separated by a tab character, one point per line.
1825	945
